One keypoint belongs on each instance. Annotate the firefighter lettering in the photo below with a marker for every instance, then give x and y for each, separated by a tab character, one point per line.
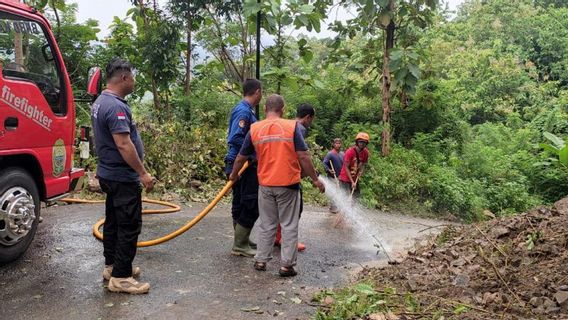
21	105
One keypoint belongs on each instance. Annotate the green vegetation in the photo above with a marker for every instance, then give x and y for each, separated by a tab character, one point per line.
363	301
470	100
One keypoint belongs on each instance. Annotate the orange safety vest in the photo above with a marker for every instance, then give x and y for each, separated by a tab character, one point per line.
278	164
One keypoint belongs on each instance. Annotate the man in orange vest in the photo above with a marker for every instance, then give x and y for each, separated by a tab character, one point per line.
282	155
305	115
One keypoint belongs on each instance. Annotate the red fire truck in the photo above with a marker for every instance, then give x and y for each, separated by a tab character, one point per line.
37	125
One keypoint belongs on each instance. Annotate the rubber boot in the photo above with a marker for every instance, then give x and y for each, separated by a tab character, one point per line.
278	239
251	244
241	245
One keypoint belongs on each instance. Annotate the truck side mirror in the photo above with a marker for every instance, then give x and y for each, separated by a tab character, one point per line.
95	82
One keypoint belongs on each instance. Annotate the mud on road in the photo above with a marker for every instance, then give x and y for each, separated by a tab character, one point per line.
192	276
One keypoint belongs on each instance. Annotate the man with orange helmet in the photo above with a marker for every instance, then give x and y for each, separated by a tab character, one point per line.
356	157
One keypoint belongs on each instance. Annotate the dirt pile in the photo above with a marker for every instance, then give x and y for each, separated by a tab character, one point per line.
513	267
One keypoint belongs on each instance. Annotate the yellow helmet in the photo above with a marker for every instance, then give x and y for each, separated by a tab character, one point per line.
362	136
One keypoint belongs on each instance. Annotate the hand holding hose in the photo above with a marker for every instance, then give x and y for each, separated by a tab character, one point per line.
147	181
318	184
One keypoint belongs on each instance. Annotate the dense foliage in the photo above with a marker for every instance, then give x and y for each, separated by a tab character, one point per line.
473	93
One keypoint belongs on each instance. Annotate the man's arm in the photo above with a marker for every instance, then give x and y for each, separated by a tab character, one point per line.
308	168
128	152
247	149
326	161
237	165
361	169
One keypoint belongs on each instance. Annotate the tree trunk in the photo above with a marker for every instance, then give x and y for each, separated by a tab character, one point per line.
155	93
389	44
156	97
19	57
58	30
279	57
187	88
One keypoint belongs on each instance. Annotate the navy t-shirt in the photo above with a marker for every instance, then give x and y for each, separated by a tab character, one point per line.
111	114
242	116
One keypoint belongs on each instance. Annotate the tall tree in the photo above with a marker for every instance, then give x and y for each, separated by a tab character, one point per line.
157	39
387	21
190	14
277	19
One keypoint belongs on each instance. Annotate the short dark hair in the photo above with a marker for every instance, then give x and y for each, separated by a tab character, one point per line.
250	86
117	65
305	109
274	103
336	140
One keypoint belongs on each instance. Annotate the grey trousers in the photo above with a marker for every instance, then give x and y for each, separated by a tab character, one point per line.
278	205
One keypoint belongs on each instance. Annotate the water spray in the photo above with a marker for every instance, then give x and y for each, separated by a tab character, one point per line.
352	212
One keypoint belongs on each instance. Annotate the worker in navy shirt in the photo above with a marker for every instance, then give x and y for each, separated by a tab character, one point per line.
120	170
244	208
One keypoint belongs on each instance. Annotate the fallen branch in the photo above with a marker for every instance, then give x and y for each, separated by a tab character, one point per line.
500	276
318	305
437	226
458	303
492	243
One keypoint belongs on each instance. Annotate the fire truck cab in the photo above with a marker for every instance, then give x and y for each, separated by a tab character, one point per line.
37	125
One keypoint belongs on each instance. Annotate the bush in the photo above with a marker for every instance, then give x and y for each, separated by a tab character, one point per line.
399	177
453	194
183	158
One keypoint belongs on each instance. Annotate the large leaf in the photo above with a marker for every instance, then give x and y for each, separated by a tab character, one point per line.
306	8
291	83
400	75
395	64
395	54
315	19
549	148
556	141
251	7
563	155
415	70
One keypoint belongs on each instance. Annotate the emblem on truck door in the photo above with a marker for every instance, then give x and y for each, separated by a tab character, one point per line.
58	157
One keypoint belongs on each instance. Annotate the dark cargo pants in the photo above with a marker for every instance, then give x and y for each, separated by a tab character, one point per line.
123	223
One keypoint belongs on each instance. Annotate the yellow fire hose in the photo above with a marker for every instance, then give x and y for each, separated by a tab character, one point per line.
173	208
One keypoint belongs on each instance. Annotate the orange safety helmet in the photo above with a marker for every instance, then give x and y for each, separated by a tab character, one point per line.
362	136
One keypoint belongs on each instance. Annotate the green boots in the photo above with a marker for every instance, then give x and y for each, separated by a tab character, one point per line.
241	246
251	244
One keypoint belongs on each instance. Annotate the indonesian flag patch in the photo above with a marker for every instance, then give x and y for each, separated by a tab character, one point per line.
121	115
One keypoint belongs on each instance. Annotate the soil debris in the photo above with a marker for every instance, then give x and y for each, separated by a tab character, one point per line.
512	267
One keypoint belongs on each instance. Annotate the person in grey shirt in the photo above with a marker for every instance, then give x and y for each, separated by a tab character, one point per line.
120	171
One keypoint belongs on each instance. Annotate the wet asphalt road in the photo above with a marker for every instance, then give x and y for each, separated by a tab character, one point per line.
192	276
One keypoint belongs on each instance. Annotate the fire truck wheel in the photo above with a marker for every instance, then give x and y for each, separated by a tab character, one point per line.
19	213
